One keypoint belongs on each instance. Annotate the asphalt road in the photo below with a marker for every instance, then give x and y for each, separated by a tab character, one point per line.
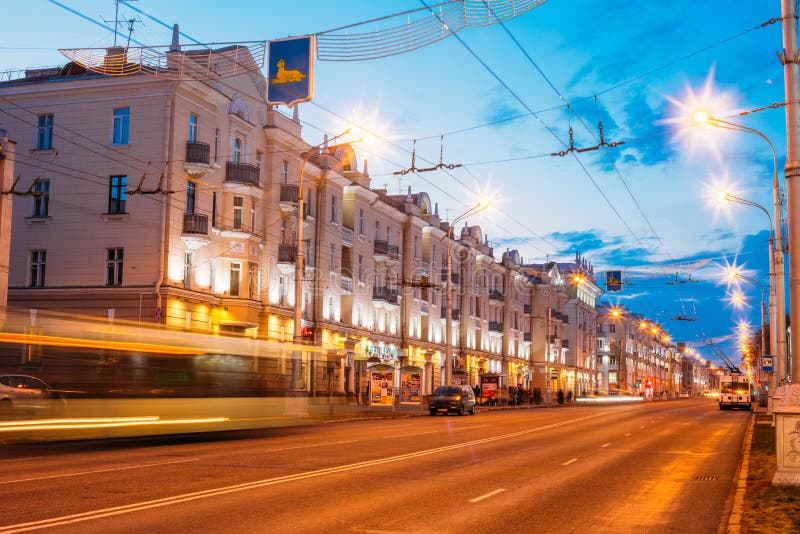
649	467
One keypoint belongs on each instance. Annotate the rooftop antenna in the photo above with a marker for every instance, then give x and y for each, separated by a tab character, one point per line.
117	21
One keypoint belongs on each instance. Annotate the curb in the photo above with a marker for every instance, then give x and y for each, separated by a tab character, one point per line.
734	525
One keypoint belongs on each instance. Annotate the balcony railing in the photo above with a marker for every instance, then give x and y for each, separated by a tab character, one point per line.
195	223
242	173
423	306
197	152
565	343
494	326
386	294
454	277
290	193
495	294
347	236
456	315
287	253
526	309
553	338
346	284
526	336
383	248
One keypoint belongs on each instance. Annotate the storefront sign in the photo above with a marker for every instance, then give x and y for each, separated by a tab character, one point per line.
410	385
381	386
381	351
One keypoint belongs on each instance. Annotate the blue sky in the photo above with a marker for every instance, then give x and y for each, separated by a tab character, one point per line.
641	207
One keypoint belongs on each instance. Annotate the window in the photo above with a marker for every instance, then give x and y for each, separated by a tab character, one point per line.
612	328
193	128
38	258
122	121
191	195
116	194
600	344
309	205
284	172
41	197
360	268
333	258
216	144
333	209
238	205
253	217
214	209
416	247
237	151
236	277
188	258
361	221
44	132
377	231
252	280
114	257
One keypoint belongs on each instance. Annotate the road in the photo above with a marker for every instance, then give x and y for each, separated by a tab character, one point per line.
647	467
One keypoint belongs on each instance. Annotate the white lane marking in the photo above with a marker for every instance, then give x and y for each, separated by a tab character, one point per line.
487	495
186	497
412	434
604	446
469	427
23	459
628	434
308	446
570	461
98	471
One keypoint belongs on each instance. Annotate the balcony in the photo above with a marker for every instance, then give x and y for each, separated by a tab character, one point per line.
495	326
454	277
383	251
553	338
565	343
526	336
456	314
287	253
198	157
496	295
384	294
526	309
346	284
424	306
242	173
290	195
195	230
347	236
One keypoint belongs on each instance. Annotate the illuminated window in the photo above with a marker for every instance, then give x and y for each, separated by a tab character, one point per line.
238	206
236	278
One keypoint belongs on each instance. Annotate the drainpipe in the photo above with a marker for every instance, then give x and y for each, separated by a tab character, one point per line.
164	218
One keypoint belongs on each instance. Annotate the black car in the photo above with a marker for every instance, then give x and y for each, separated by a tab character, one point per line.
452	399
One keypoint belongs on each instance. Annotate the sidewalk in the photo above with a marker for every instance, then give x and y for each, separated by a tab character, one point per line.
759	507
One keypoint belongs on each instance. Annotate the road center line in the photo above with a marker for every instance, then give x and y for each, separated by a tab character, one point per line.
98	471
604	446
312	445
487	495
23	459
570	461
203	494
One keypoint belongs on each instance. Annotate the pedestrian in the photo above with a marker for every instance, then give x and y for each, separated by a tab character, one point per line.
477	390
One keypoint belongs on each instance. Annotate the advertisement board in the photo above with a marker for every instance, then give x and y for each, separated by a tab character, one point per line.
489	386
410	385
381	385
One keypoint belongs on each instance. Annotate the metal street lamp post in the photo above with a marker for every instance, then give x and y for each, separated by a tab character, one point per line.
777	271
733	275
448	321
299	267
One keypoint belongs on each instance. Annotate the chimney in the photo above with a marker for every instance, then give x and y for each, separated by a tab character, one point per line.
176	45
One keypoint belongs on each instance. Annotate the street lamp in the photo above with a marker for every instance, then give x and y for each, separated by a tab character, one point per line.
777	275
299	267
483	205
733	274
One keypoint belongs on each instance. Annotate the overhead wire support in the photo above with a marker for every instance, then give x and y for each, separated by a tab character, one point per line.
440	165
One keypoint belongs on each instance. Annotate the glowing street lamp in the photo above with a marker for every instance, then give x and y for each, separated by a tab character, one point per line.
738	299
778	306
481	206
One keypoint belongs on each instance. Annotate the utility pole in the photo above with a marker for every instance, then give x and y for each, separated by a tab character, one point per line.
789	58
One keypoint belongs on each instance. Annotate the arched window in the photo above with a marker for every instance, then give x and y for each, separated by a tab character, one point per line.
237	150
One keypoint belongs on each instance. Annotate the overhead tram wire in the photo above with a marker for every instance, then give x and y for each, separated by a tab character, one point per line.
550	130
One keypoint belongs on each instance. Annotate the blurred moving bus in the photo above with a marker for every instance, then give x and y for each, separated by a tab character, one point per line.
735	391
115	379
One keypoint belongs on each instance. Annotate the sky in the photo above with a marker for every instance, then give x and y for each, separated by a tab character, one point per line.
505	96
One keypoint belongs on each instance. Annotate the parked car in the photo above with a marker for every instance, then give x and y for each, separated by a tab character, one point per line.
27	394
452	399
684	394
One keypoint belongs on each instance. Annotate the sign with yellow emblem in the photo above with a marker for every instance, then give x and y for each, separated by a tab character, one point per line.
290	75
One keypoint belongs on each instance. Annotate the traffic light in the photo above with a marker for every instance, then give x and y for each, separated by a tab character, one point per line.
648	384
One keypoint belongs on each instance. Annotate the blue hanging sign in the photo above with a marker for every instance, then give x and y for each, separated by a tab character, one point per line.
613	281
290	72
